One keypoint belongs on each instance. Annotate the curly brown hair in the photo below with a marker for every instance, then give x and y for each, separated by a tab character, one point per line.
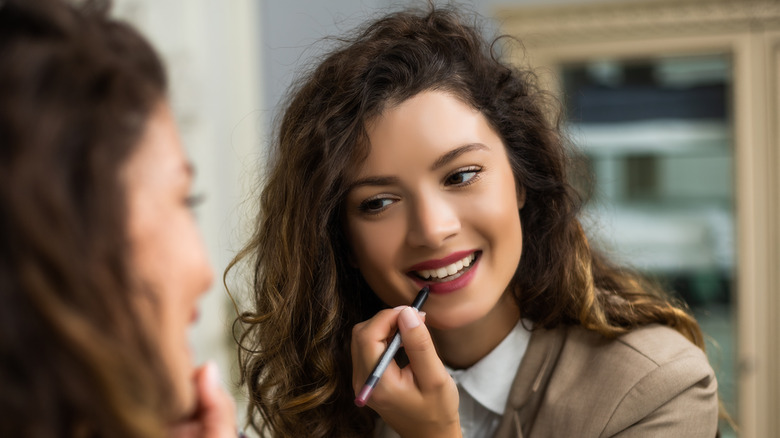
76	89
294	350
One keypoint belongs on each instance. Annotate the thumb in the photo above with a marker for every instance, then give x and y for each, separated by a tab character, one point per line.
428	369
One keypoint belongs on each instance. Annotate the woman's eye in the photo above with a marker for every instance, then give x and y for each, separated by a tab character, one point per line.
462	177
375	205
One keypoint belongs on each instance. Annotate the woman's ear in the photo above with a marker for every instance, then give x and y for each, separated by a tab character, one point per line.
520	197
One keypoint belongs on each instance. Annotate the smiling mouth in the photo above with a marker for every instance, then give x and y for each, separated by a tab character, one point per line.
449	272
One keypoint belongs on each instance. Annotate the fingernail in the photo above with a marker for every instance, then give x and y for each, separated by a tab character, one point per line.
212	374
421	313
398	308
409	318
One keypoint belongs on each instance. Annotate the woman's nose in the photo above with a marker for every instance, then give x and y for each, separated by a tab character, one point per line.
432	220
202	271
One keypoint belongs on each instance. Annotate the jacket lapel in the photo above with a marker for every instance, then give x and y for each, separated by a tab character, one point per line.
531	379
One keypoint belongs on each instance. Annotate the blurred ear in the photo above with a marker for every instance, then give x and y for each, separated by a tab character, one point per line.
520	197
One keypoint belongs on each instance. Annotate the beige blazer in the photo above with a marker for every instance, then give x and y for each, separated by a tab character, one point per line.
572	382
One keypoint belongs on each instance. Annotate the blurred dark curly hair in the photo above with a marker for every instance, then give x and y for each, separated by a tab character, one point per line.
76	88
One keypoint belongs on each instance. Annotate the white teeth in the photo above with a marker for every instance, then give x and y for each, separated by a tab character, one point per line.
448	270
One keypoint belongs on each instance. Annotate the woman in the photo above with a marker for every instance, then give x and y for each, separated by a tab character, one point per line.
101	262
412	157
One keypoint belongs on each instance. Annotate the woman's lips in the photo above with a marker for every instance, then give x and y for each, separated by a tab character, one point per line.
194	316
440	263
448	272
446	283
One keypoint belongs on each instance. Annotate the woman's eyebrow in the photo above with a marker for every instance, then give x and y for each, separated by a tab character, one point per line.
455	153
440	162
373	181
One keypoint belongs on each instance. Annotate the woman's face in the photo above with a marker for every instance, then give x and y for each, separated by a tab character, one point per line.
435	203
168	254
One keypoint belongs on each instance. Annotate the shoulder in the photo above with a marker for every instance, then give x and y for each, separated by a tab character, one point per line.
647	348
676	385
654	352
655	356
608	386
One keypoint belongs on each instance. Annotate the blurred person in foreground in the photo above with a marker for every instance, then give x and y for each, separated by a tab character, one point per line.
101	261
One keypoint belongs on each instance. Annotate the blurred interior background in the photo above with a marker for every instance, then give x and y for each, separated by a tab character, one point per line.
672	105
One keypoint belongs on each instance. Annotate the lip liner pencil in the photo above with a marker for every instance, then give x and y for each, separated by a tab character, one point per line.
387	356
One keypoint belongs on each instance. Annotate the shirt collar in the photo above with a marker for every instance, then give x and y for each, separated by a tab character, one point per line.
489	381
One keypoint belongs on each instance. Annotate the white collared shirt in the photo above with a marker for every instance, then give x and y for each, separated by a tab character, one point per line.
484	387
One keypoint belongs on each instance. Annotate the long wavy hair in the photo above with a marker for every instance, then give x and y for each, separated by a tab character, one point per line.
294	347
76	89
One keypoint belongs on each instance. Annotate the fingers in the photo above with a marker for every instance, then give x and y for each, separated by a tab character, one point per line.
428	369
216	413
217	410
369	340
418	400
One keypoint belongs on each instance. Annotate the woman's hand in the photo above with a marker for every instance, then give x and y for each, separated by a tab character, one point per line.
216	413
420	400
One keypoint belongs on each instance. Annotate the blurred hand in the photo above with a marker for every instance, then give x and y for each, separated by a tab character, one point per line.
216	413
419	400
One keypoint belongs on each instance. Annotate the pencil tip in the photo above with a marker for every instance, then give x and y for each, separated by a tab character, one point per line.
362	398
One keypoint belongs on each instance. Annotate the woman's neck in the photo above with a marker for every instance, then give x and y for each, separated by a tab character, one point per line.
464	346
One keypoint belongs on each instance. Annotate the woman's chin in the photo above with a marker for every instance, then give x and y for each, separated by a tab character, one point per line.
186	402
